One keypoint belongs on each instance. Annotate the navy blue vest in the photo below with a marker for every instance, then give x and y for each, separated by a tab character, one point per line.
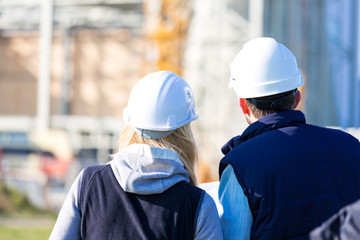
107	212
295	175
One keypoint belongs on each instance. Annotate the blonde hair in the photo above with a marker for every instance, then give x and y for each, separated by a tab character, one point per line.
180	141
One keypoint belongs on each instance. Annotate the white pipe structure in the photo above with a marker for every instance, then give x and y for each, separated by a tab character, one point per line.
45	41
256	15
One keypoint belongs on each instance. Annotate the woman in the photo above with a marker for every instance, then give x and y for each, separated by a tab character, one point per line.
147	191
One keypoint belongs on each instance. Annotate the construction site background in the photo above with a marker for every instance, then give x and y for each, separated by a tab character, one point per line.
99	49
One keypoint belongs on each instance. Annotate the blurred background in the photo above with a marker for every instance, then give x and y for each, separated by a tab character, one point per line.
67	68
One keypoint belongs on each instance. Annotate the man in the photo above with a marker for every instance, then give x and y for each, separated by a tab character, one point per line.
282	177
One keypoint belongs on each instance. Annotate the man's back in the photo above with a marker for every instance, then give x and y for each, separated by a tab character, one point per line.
294	175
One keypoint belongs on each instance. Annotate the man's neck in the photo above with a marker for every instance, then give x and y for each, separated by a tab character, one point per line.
250	118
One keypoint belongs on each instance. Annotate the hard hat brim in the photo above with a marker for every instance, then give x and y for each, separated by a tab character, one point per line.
267	88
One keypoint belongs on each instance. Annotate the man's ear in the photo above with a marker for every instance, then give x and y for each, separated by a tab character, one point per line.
297	99
243	105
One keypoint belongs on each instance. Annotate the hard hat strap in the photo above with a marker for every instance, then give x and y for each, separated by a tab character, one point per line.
270	104
152	134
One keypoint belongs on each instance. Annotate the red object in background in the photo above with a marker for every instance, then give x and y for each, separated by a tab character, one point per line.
53	167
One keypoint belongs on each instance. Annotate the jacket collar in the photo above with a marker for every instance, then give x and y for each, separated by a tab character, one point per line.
266	123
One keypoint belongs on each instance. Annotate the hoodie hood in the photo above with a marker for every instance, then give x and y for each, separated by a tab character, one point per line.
143	169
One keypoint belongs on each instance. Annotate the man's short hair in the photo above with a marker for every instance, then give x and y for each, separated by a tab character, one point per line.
263	106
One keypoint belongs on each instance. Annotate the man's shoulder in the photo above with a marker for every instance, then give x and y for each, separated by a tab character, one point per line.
333	133
306	135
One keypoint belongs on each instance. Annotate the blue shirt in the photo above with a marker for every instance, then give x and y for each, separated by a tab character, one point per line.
236	220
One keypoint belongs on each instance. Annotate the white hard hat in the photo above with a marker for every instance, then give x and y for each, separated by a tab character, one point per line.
160	102
264	67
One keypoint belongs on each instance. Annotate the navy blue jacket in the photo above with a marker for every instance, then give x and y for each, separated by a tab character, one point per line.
295	175
107	212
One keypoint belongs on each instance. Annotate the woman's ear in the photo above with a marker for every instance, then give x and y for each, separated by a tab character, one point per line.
243	105
297	99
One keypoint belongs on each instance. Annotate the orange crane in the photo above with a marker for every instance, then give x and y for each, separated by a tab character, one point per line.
166	25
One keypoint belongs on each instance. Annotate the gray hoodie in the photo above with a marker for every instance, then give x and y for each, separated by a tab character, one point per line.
145	170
